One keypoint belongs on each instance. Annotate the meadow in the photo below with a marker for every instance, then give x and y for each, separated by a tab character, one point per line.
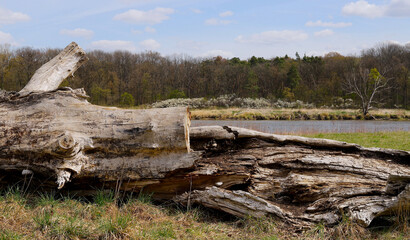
54	216
394	140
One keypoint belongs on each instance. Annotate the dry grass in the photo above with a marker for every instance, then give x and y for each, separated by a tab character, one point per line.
48	216
296	114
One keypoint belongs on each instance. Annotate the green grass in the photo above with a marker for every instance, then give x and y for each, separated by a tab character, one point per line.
102	198
36	216
394	140
9	235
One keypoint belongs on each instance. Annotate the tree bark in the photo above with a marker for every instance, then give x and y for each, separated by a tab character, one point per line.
58	139
297	179
61	132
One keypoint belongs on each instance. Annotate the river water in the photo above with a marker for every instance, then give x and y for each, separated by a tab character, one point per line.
314	126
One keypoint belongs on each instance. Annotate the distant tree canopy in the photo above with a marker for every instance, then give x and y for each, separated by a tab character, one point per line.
113	78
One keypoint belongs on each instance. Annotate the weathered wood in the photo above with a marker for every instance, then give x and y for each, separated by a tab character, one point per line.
311	180
61	131
52	74
57	136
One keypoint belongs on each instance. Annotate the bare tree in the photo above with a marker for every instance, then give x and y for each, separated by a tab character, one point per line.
365	83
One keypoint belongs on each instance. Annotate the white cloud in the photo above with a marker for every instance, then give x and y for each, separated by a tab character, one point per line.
398	8
324	33
395	8
150	44
7	38
150	30
215	21
78	32
364	9
270	37
226	14
319	23
197	11
154	16
9	17
214	53
113	45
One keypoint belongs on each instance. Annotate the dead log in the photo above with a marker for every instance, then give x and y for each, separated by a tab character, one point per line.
59	139
300	179
61	132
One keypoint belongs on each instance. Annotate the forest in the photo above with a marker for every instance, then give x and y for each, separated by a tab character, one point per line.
125	78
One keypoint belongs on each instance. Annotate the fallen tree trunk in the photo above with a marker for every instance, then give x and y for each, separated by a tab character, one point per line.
56	136
299	179
61	132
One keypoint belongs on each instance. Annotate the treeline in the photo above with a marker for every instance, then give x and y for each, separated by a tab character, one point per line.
124	78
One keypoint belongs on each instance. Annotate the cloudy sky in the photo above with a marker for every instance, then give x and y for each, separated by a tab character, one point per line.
202	28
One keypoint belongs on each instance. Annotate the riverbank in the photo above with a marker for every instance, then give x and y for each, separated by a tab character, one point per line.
394	140
300	127
296	114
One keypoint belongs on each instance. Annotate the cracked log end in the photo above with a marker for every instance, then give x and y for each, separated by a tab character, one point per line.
49	76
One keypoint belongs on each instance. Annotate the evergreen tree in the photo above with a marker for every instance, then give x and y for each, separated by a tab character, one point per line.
293	77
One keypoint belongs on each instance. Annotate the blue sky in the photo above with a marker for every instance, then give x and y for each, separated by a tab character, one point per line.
204	28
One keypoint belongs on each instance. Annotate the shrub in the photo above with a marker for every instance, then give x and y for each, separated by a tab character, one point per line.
230	100
127	100
176	94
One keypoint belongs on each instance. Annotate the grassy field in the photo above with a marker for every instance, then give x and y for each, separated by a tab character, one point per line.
46	216
296	114
395	140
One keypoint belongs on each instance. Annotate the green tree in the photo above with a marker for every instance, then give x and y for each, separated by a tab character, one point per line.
297	56
146	86
127	100
288	94
293	77
253	61
235	60
176	94
252	85
99	95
